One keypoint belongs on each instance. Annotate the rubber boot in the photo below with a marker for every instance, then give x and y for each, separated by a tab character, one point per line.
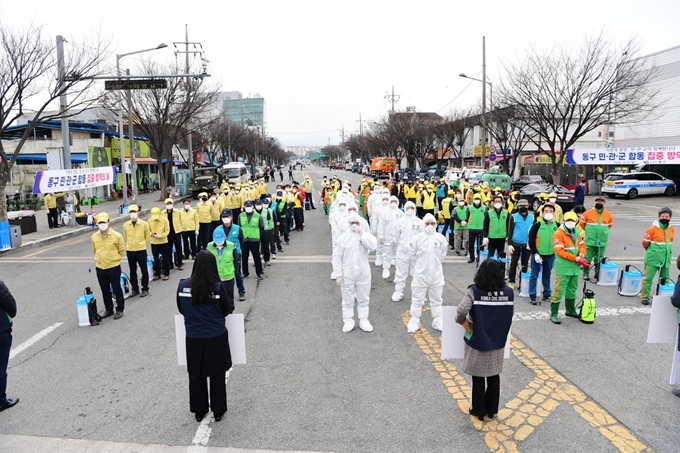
554	308
569	304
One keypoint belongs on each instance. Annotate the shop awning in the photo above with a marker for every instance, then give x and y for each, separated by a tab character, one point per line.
144	160
40	158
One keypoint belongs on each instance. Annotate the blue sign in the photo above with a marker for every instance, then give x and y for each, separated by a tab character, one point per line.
492	157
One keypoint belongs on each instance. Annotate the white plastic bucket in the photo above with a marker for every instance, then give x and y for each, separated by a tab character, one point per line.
631	283
609	272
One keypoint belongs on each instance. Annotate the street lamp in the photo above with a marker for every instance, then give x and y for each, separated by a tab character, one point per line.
121	142
480	80
484	82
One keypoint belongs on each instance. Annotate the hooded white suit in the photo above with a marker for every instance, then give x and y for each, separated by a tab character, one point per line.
407	227
387	233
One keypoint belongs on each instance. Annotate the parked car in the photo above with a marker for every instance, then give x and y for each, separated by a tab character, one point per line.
528	179
339	166
633	184
530	192
356	167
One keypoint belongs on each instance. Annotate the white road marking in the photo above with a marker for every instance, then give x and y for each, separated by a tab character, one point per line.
33	340
535	315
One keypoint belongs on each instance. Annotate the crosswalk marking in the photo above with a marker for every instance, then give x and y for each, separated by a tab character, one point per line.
644	218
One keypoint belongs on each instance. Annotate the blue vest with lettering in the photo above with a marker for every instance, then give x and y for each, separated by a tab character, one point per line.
491	315
520	232
233	236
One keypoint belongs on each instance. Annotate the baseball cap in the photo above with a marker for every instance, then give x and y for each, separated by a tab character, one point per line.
226	213
168	200
133	208
248	203
155	213
102	217
218	235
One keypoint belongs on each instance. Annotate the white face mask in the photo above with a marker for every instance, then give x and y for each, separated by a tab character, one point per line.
548	216
497	205
354	228
103	226
249	209
226	220
259	208
186	207
133	215
168	207
429	229
384	202
410	212
552	200
352	211
343	208
570	225
219	245
394	205
461	203
213	198
477	202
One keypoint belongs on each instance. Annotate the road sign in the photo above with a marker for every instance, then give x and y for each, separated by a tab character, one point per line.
492	157
492	148
138	84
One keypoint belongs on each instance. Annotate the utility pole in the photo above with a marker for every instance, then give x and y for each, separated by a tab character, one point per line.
393	98
65	134
483	100
197	49
131	134
361	125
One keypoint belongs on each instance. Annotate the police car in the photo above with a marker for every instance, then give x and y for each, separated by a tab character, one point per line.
637	183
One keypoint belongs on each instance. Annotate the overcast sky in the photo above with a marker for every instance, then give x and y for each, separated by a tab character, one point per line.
319	64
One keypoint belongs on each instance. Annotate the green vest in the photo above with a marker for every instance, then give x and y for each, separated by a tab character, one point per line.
281	206
476	221
446	207
597	235
268	219
251	230
659	254
225	263
498	224
461	212
545	237
568	267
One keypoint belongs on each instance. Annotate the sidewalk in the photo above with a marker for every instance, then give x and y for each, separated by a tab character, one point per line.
45	235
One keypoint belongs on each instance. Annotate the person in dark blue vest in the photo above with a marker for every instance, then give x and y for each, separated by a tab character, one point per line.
486	315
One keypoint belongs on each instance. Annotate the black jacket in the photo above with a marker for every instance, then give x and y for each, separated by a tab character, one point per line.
8	307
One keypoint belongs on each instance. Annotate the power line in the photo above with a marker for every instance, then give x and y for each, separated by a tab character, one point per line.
458	95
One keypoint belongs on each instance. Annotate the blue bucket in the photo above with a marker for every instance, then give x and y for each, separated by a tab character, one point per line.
609	272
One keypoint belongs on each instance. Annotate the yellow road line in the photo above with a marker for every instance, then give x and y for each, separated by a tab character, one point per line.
520	417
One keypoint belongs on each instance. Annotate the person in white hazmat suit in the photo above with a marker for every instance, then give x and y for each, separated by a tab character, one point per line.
375	225
373	202
428	250
407	227
350	264
353	208
386	233
337	220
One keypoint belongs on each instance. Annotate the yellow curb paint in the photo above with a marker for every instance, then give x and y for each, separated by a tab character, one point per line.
525	412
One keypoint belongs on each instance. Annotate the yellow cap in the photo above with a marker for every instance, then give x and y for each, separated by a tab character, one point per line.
155	213
498	189
552	195
168	200
571	215
133	208
102	217
543	195
202	194
450	192
477	196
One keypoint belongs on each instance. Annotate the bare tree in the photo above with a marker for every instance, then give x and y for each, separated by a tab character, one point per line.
163	116
452	132
414	133
28	74
568	91
510	132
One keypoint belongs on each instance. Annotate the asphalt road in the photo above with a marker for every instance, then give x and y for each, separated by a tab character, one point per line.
309	387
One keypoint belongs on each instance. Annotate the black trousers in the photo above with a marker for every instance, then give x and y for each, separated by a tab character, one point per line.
53	218
309	197
265	243
160	267
299	218
189	240
428	211
485	395
276	240
448	223
176	240
203	235
497	246
5	346
283	229
250	247
138	258
235	214
110	278
474	236
198	394
521	251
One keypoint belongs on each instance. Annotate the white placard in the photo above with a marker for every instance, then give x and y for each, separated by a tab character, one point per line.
676	359
453	344
663	323
237	339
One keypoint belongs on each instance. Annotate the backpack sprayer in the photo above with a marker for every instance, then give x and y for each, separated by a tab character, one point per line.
587	306
630	281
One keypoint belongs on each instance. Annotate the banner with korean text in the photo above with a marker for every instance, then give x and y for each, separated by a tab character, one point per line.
76	179
651	155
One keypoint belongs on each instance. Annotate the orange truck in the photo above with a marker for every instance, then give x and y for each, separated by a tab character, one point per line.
382	167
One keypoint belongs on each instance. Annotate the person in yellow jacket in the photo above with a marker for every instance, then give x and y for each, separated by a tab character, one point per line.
108	248
137	236
203	209
215	210
189	221
174	217
51	206
233	200
308	188
429	199
160	228
262	187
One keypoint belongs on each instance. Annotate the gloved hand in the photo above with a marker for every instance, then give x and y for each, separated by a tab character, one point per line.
338	281
582	262
382	240
485	242
511	249
463	223
538	258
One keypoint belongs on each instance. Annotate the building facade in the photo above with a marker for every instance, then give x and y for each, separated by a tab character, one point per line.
250	111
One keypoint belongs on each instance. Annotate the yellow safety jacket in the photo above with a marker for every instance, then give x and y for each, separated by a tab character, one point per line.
108	249
137	235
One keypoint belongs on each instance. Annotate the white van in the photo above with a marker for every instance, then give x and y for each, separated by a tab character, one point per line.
235	172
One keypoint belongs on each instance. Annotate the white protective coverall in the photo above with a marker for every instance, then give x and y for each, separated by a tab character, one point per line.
428	250
338	222
387	233
375	224
353	208
350	264
407	227
373	202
